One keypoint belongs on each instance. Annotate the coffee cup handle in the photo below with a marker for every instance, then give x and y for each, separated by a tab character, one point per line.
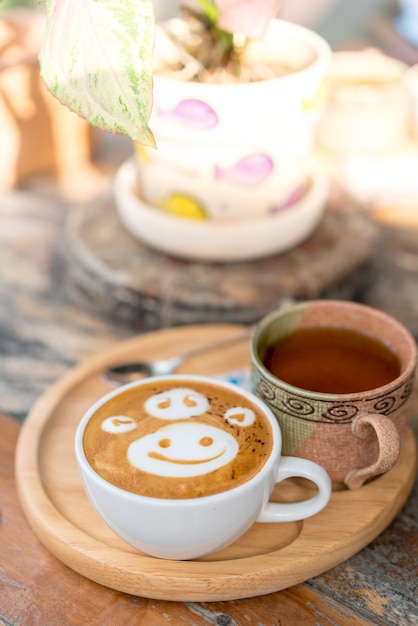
294	467
389	447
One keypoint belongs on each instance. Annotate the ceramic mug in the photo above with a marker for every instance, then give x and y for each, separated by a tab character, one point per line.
354	435
181	466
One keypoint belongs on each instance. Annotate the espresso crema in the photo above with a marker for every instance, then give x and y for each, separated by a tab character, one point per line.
177	439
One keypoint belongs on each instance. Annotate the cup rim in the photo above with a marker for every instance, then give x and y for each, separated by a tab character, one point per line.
324	396
86	468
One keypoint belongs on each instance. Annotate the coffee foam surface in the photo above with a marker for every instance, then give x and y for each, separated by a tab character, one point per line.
179	442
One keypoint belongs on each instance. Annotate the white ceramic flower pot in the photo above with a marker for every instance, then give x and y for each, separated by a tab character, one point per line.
219	240
238	150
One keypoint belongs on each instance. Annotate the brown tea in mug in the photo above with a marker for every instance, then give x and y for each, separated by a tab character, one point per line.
332	360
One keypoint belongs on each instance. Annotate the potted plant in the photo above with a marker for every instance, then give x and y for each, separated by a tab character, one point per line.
211	148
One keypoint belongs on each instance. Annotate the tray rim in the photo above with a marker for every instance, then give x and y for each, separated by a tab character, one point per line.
142	575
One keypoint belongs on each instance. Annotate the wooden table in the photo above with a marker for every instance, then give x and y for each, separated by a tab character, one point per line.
42	335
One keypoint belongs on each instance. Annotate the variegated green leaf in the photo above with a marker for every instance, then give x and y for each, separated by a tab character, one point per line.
97	59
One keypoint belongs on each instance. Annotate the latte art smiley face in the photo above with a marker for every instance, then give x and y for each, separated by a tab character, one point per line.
182	441
183	450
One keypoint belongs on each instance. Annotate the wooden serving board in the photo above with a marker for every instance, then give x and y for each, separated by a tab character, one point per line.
268	558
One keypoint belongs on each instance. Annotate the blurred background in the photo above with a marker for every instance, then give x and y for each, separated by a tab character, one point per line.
72	281
389	25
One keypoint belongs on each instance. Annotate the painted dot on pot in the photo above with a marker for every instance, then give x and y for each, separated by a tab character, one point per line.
194	114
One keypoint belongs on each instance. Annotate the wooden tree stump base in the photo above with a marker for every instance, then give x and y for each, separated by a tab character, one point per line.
114	275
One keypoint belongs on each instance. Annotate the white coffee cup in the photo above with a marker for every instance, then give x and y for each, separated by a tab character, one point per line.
193	527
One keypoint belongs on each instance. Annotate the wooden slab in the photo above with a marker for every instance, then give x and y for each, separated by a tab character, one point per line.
397	271
113	274
266	559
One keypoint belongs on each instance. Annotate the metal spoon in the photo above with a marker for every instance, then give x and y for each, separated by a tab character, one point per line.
127	372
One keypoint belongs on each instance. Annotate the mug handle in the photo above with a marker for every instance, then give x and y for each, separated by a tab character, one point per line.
295	467
389	447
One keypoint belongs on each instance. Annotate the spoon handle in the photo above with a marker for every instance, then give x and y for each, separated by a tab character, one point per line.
123	373
215	345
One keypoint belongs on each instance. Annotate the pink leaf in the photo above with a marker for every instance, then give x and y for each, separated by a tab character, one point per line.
249	17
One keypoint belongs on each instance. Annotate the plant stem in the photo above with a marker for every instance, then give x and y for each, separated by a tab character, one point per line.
210	10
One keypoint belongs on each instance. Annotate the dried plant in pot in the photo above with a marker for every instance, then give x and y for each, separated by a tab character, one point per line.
233	137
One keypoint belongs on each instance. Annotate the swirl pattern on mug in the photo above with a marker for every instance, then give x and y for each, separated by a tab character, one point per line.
342	413
330	409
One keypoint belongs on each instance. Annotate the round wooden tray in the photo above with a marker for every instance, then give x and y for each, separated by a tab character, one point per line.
268	558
